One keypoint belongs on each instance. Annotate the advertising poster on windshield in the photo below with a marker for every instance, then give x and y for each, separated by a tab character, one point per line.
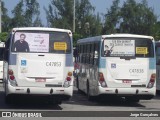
119	48
33	42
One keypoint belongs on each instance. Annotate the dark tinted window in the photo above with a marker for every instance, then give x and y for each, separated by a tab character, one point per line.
121	47
41	42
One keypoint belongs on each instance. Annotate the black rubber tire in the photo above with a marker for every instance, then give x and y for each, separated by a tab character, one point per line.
89	97
77	85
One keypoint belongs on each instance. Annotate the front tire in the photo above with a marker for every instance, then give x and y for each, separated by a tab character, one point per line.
89	97
77	85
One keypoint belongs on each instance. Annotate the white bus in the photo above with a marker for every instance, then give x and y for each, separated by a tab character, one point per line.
2	45
39	61
157	46
117	65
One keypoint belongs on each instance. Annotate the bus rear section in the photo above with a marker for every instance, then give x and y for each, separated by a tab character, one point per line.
127	67
45	69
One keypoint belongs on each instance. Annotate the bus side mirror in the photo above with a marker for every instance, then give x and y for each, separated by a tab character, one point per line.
95	54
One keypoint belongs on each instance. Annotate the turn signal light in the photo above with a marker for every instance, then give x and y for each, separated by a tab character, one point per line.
69	73
10	72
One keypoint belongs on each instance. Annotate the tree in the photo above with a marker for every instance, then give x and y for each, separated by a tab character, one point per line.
6	20
96	28
3	36
112	18
32	13
18	19
60	14
26	14
156	31
85	19
137	18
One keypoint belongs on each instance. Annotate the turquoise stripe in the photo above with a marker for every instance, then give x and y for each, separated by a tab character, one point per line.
69	61
12	59
152	63
102	63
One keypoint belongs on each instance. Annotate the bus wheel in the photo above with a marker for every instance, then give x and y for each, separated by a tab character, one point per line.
132	99
77	84
89	97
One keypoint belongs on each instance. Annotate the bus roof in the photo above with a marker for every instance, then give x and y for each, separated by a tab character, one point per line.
41	28
100	38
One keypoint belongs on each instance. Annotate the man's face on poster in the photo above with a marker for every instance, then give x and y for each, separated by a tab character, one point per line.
22	37
106	47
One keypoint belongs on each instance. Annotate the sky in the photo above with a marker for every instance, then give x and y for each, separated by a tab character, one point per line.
100	6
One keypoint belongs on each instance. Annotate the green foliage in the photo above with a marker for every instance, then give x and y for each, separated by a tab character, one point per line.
18	19
3	36
26	14
75	38
62	14
31	12
85	19
112	18
156	31
5	19
133	17
137	18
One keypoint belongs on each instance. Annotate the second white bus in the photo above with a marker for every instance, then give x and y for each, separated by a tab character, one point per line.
157	47
117	65
42	65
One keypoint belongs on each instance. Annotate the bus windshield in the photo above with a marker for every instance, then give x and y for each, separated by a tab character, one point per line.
41	42
127	47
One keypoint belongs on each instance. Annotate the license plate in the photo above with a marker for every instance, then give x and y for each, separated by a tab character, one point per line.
40	80
126	81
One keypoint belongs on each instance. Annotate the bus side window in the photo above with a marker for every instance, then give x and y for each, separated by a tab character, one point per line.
96	54
158	55
88	54
83	54
78	48
92	54
6	50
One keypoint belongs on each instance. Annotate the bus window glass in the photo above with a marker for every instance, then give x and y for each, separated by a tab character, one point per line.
158	51
123	47
41	42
